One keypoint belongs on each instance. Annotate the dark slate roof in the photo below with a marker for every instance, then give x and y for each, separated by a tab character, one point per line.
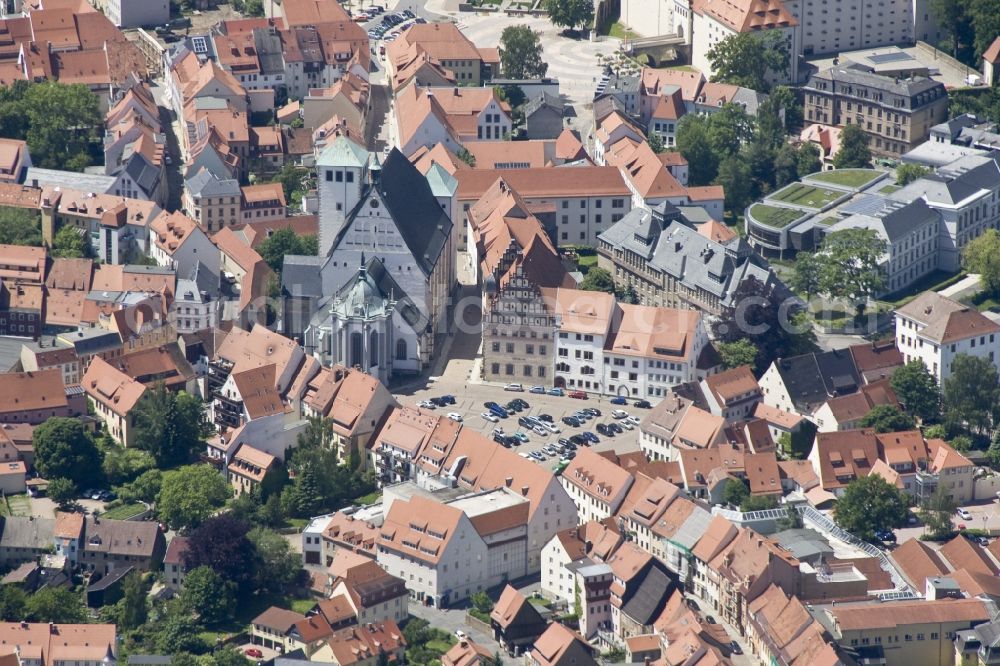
106	581
389	287
425	228
811	379
545	99
850	76
30	533
300	276
269	50
652	590
605	106
839	374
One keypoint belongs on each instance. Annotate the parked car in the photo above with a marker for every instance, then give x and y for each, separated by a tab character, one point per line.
886	536
521	437
593	411
591	437
625	423
461	634
536	389
490	416
448	399
615	428
408	13
455	416
510	441
642	404
709	619
964	514
500	411
524	422
513	387
512	406
619	414
522	402
254	653
545	417
618	400
604	429
556	391
563	441
571	421
579	395
580	440
735	647
550	427
537	456
634	420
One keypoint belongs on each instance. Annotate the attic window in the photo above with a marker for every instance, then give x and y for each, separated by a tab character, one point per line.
373	203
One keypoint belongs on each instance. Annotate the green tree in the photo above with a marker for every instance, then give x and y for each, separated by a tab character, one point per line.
13	601
982	255
122	465
809	159
482	602
144	488
570	13
292	178
869	505
693	143
985	19
179	633
936	513
277	566
917	389
208	596
961	443
284	241
729	129
655	142
55	604
992	453
850	265
169	425
887	418
64	449
971	394
191	494
63	492
749	59
598	279
734	176
68	243
467	157
19	226
63	122
135	606
854	151
735	492
953	17
737	353
907	173
758	503
807	276
792	520
786	166
521	53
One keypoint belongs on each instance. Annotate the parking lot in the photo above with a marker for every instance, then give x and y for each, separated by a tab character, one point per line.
470	400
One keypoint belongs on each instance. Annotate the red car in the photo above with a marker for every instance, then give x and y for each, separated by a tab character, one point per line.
579	395
254	652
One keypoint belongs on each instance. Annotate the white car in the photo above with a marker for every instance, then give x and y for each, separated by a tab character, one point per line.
490	416
460	634
551	427
455	416
626	424
513	387
427	404
964	514
619	414
634	420
539	430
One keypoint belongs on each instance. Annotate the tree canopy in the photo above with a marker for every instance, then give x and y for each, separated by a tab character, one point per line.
917	390
887	418
191	494
64	449
169	425
570	13
849	265
936	513
221	544
285	241
598	279
982	255
60	122
748	59
907	173
869	505
971	394
737	353
521	53
19	226
208	595
69	243
854	151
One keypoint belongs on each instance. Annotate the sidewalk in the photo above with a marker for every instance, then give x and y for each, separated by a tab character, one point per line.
968	283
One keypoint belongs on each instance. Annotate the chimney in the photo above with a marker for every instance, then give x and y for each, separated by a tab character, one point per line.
508	481
524	490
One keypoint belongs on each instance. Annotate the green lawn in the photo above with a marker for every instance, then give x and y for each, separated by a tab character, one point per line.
370	498
808	196
888	189
775	217
619	31
846	177
303	605
20	505
828	221
439	646
124	512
